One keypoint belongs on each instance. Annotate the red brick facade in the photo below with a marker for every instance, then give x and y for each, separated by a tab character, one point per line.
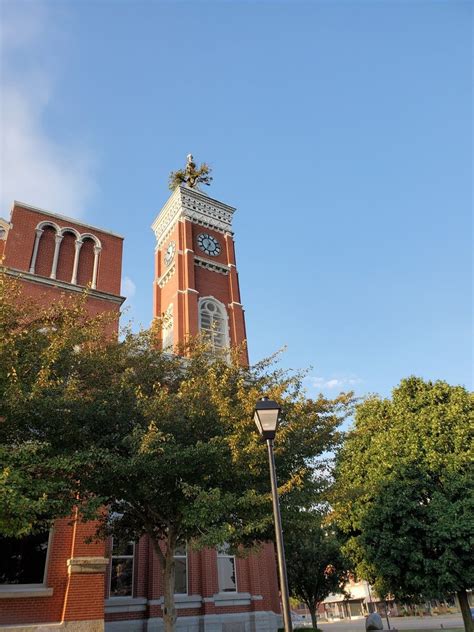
43	251
68	595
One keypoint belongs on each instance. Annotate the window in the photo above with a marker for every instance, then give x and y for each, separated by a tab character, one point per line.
121	571
181	570
23	560
226	570
213	322
167	328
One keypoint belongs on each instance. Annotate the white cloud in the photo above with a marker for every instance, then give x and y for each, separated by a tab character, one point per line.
128	287
323	383
34	167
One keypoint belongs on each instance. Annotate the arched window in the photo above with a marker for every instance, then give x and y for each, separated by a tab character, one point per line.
213	322
86	262
167	329
66	256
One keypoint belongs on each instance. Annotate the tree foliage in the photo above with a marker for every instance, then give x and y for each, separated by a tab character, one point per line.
316	566
404	492
165	441
192	176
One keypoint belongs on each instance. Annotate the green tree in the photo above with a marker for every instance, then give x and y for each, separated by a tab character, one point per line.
166	442
404	492
316	566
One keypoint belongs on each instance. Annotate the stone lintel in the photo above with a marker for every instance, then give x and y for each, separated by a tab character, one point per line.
87	565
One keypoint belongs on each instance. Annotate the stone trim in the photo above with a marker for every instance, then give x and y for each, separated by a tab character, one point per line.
186	203
211	265
164	278
125	604
20	591
182	602
34	278
87	565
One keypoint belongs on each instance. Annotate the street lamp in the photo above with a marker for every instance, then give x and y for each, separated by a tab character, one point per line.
266	417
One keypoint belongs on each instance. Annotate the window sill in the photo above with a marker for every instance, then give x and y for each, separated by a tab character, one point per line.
19	591
125	604
232	599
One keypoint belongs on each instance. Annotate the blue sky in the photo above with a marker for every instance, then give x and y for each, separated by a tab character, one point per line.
341	131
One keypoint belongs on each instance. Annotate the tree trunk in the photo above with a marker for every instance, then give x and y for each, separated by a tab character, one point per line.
312	612
465	610
168	574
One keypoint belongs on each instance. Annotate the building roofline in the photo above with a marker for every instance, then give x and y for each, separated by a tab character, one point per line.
29	207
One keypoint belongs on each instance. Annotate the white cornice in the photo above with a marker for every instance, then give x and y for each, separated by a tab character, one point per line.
186	203
211	265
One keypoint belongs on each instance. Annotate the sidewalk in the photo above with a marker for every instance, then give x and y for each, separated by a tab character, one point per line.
435	623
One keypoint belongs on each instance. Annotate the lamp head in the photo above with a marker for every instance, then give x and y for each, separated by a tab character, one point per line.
266	417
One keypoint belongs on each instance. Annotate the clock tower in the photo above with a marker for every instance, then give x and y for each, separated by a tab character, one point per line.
196	284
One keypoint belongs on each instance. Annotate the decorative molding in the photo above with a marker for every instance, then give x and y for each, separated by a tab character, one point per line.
211	265
164	278
64	285
87	565
186	203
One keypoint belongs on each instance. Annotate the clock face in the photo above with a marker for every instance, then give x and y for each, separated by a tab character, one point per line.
208	244
169	254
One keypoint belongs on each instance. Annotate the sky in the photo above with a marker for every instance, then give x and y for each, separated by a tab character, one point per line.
341	131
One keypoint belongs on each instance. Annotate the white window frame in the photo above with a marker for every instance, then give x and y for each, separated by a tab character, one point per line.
185	556
225	317
125	557
221	554
167	329
43	584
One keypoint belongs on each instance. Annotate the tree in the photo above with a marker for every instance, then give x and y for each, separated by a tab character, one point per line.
165	442
404	492
316	566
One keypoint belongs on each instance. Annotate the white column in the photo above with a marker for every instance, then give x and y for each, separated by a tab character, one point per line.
97	250
39	232
77	250
58	239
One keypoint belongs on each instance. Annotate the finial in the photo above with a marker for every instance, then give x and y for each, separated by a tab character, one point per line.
190	176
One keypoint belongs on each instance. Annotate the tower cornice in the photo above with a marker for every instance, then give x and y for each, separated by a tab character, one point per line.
195	206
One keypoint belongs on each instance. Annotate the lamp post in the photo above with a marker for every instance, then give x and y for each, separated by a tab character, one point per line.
266	417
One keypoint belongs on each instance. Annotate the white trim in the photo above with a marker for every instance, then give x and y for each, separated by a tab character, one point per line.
223	312
40	589
126	557
70	229
57	245
189	289
187	575
211	265
231	596
185	203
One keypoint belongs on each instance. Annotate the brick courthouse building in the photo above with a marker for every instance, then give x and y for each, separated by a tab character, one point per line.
56	580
